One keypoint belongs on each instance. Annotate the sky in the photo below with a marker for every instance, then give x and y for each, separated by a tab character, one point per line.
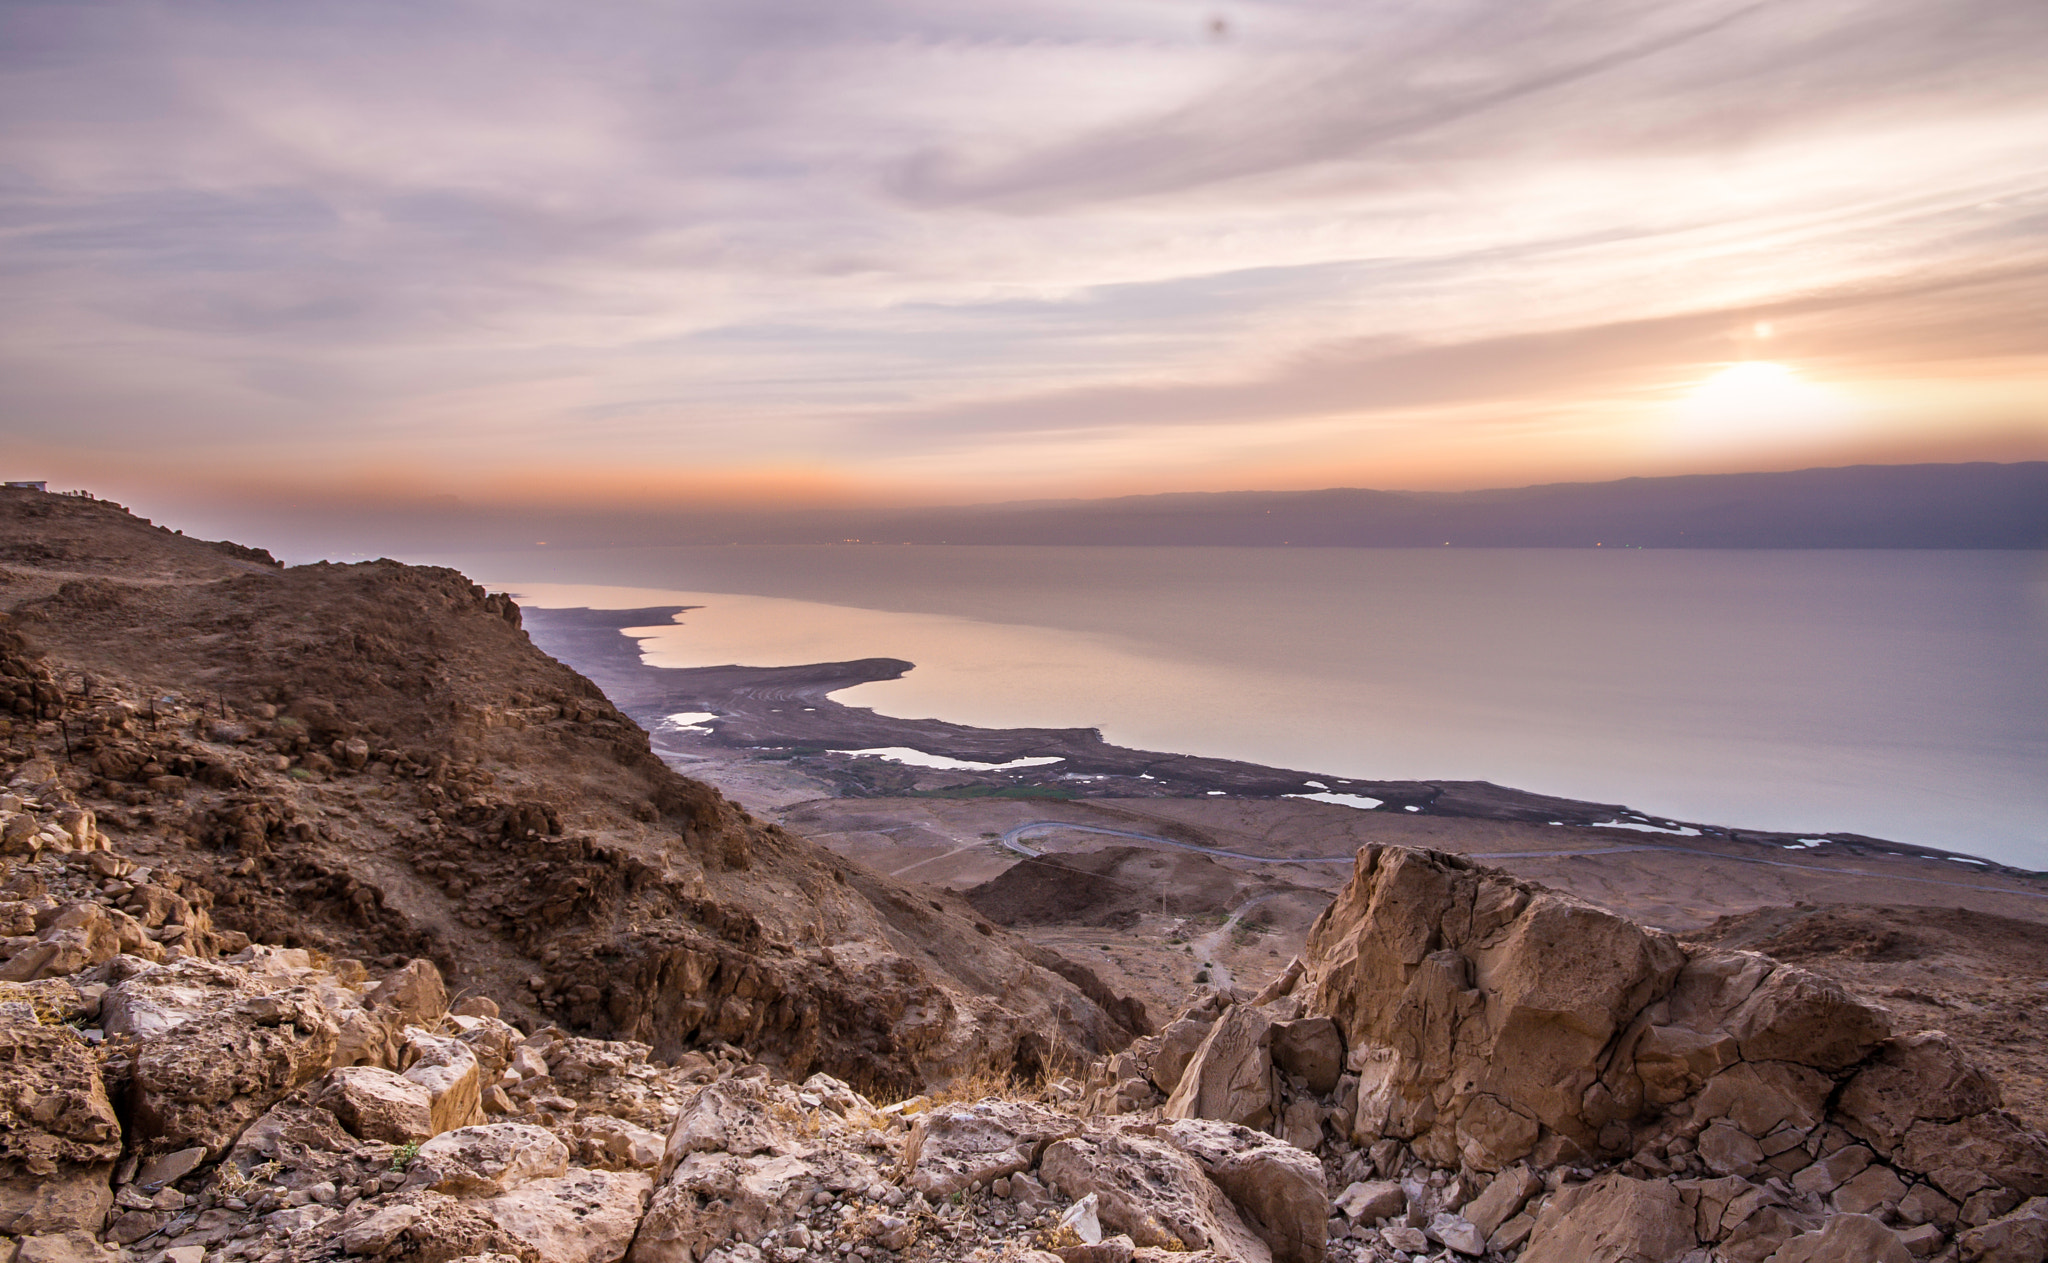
773	252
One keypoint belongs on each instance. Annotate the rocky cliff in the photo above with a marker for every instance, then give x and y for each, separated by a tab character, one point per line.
338	922
373	761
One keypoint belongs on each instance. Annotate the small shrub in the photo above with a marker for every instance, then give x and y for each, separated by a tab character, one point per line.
402	1157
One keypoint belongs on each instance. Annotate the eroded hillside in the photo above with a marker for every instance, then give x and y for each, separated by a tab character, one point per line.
374	761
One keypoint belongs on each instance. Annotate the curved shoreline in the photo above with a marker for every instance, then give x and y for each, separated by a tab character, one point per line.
787	713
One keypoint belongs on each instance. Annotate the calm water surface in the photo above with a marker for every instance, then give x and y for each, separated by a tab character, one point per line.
1903	695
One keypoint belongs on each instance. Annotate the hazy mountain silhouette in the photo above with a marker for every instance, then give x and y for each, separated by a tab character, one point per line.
1868	506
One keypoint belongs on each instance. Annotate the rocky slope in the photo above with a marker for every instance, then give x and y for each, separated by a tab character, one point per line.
373	761
258	824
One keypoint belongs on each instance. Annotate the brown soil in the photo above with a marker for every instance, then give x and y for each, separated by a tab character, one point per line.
1112	888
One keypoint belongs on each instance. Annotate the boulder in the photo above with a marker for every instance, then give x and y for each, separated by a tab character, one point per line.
376	1104
2019	1237
1311	1049
1277	1188
1845	1239
955	1146
203	1081
489	1160
1369	1201
710	1197
1977	1152
158	998
577	1217
1152	1192
1476	1008
1176	1046
1230	1077
59	1136
1504	1197
1614	1219
1914	1077
413	996
449	1072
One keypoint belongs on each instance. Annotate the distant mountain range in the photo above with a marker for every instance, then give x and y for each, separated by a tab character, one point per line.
1866	506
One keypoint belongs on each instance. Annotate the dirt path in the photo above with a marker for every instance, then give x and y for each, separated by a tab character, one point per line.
1209	947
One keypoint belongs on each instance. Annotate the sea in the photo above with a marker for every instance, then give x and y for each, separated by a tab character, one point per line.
1901	695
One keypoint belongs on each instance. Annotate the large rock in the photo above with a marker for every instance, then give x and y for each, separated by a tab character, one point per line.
955	1146
1152	1192
1277	1188
579	1217
453	1079
2020	1237
76	936
147	1004
1230	1077
1486	1017
1845	1239
1977	1152
488	1160
1614	1219
1312	1049
1176	1046
1914	1077
203	1081
58	1133
375	1104
413	996
1477	1008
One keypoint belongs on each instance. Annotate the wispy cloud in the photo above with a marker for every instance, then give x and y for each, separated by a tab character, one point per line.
920	242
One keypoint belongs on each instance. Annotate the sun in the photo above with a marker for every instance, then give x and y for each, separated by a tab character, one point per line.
1758	401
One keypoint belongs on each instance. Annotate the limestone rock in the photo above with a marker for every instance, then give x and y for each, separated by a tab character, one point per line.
578	1217
1176	1045
449	1072
489	1160
376	1104
1230	1077
1845	1239
1151	1191
414	995
1614	1219
1277	1188
203	1081
955	1146
1369	1201
2019	1237
59	1136
157	999
1476	1008
1977	1152
1914	1077
1312	1049
708	1198
1504	1197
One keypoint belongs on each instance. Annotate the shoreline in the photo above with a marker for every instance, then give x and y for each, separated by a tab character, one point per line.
785	716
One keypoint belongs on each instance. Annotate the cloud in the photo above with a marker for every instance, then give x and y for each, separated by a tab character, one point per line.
900	239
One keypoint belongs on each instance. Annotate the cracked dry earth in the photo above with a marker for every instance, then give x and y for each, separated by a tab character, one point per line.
339	923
